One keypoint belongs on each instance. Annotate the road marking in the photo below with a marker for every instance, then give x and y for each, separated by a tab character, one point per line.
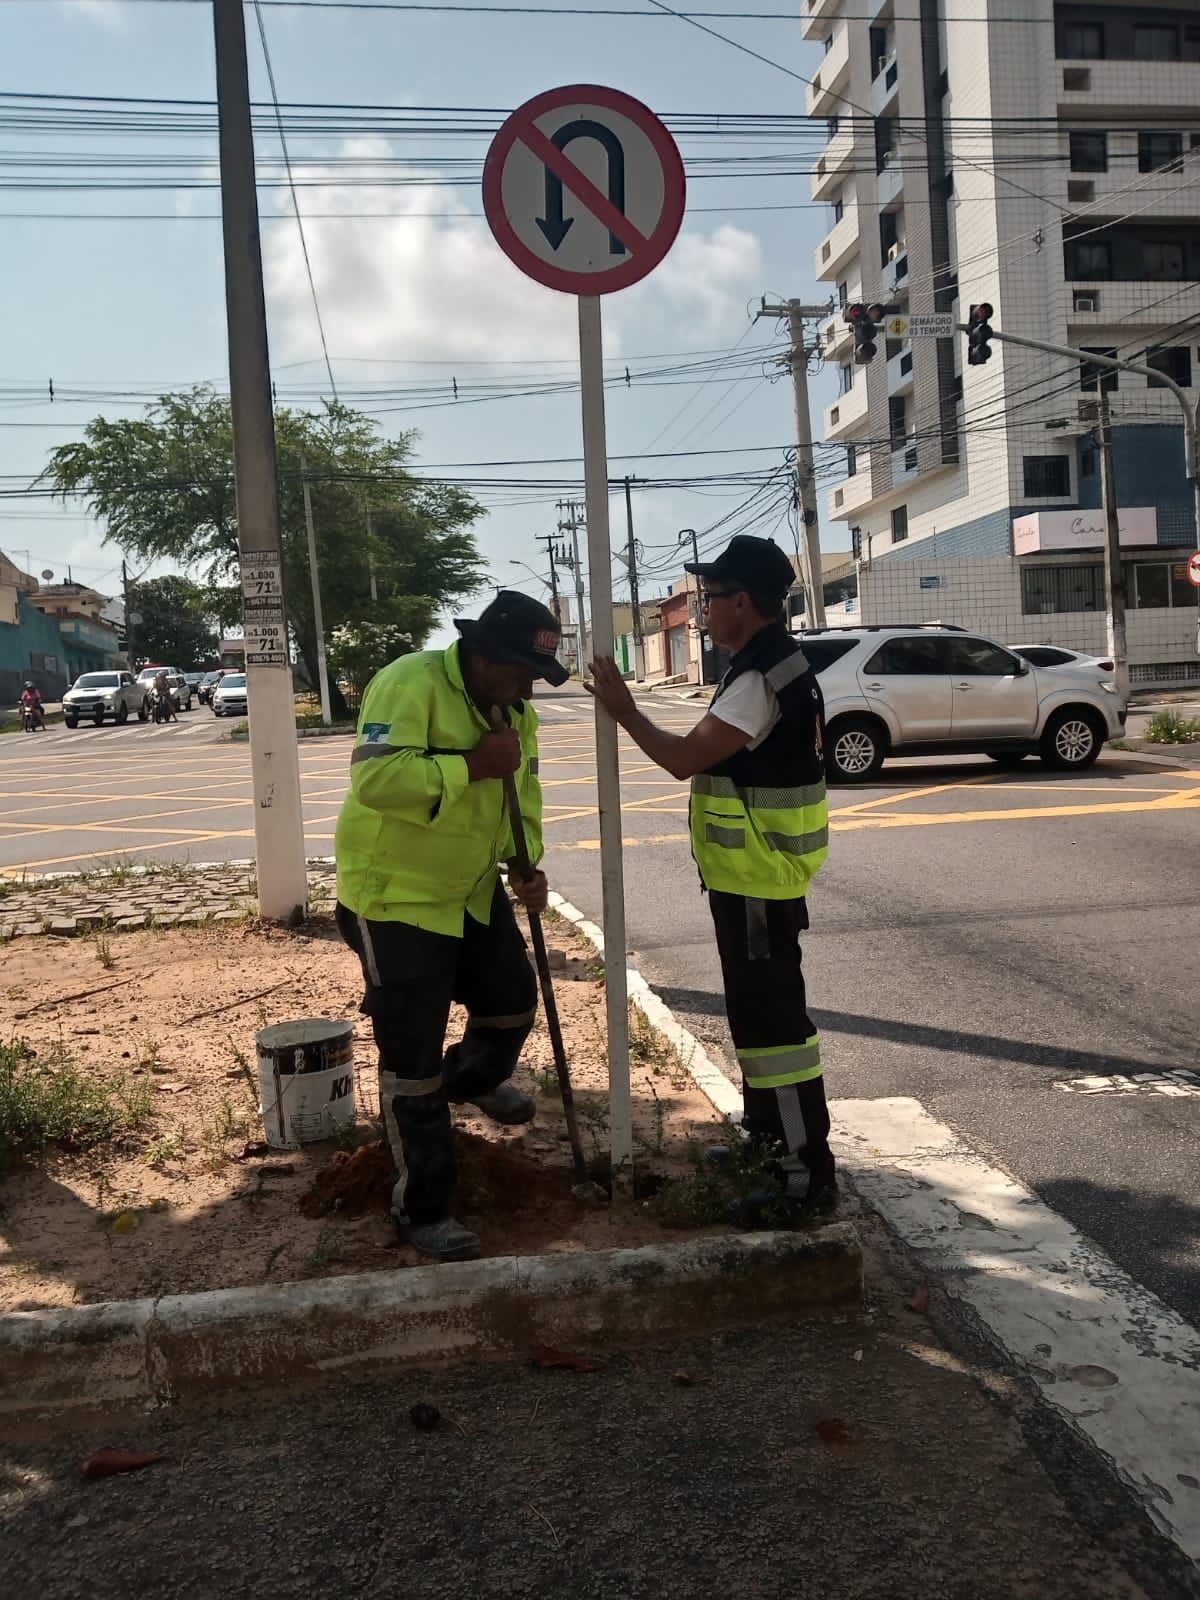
1187	800
1119	1366
1173	1082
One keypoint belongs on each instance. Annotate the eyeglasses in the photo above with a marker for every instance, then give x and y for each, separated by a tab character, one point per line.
709	595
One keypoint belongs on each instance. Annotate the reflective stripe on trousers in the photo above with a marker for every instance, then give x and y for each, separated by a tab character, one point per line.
777	1065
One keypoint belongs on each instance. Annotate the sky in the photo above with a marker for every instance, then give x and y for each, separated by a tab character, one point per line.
405	297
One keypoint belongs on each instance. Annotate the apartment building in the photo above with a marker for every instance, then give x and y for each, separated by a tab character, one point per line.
1043	157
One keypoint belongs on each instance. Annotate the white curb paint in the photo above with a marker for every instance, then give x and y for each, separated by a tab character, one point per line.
723	1095
1122	1368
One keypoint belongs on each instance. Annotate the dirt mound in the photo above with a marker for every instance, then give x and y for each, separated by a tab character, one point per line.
493	1180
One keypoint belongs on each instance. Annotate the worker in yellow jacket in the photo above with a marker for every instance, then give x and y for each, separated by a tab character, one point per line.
420	841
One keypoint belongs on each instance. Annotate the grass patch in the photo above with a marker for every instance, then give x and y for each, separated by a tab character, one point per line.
1167	727
726	1191
46	1100
104	952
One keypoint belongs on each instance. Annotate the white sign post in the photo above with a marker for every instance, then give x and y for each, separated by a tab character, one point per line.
584	190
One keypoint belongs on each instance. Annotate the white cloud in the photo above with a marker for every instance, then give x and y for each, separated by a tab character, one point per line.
109	14
439	288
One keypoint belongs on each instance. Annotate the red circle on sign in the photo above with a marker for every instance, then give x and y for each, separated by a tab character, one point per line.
642	259
1194	568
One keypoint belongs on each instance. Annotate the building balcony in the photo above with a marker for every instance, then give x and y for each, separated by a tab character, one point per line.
900	372
824	94
895	272
833	163
846	499
838	248
885	86
1130	86
889	183
904	462
835	335
1137	304
847	413
817	17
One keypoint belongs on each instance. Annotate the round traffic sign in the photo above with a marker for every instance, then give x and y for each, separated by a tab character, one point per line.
584	189
1194	568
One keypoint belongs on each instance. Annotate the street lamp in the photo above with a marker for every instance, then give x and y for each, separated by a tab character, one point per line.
532	573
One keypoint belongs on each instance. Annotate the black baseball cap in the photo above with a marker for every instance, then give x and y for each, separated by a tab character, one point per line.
516	628
748	563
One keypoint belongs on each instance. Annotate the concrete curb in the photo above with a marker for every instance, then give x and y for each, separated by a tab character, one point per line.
151	1351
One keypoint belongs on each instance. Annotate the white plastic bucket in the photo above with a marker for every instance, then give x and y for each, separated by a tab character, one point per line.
306	1080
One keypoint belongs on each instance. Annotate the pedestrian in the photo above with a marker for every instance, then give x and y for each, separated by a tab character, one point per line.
419	843
759	832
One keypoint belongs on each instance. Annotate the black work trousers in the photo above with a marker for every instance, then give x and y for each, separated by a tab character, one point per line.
776	1041
412	977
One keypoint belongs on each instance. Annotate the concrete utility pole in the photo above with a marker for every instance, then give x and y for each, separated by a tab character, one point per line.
318	615
639	643
684	535
797	362
128	618
572	526
1114	569
371	557
1091	358
548	540
274	759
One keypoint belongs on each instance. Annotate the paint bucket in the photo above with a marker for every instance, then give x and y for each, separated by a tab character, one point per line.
306	1080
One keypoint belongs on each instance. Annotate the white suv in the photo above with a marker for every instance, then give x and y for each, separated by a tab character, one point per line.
939	690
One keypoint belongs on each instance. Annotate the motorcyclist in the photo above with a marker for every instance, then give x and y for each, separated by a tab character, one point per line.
162	689
31	704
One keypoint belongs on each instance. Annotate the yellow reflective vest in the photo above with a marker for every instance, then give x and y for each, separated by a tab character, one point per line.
416	842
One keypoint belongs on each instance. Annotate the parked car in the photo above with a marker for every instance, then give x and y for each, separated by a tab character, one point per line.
208	683
939	690
194	680
1056	655
97	695
181	690
229	696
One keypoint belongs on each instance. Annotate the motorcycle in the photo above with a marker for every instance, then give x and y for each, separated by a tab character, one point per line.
161	707
33	719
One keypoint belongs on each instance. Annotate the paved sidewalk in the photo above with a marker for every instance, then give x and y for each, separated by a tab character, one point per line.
838	1458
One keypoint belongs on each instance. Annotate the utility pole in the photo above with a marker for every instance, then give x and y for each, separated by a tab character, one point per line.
639	643
684	535
1114	569
548	540
572	526
129	624
274	758
371	557
318	615
797	362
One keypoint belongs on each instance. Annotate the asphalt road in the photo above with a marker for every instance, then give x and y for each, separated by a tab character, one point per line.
980	938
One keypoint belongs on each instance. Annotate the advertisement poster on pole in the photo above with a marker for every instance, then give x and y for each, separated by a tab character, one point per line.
584	191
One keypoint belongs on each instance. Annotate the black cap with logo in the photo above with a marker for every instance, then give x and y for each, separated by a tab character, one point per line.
516	628
748	563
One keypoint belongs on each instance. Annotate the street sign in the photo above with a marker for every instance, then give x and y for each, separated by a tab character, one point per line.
920	325
1193	569
584	189
262	609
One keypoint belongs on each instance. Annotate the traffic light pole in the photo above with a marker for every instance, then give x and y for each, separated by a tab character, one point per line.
1114	569
797	361
1090	358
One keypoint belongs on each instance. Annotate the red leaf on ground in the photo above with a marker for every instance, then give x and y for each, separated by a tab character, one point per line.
919	1301
546	1357
106	1463
833	1432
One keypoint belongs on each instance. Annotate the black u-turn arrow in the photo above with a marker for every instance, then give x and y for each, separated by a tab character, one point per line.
554	225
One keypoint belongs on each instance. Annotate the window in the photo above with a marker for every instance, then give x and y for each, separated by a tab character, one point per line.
1083	41
1093	379
1173	361
1080	191
831	127
1087	463
828	43
845	379
1045	655
979	658
1077	80
918	657
889	232
1159	148
1057	589
1046	477
839	210
899	524
1155	41
885	142
1151	587
893	347
843	295
1089	152
822	653
879	50
1191	42
1163	260
897	421
1089	260
851	460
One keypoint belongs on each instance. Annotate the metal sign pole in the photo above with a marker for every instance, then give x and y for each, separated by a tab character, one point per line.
608	776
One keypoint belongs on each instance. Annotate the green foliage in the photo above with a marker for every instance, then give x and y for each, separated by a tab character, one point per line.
163	486
1167	727
727	1191
177	624
46	1099
358	651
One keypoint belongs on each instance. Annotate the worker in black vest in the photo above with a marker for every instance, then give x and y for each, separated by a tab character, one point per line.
759	831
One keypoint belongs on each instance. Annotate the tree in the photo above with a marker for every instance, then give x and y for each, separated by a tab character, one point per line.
357	653
163	485
176	623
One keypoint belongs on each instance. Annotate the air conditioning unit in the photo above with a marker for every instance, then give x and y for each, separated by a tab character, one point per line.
1087	302
1089	412
893	251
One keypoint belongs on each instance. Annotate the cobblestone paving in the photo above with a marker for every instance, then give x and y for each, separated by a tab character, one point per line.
122	900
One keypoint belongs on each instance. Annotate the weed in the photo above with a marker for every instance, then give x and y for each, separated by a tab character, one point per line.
719	1191
104	952
1168	727
272	1257
46	1099
545	1081
218	1133
242	1063
327	1249
149	1057
160	1153
595	970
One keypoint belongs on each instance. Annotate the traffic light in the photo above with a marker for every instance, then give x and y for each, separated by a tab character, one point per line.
863	319
979	331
